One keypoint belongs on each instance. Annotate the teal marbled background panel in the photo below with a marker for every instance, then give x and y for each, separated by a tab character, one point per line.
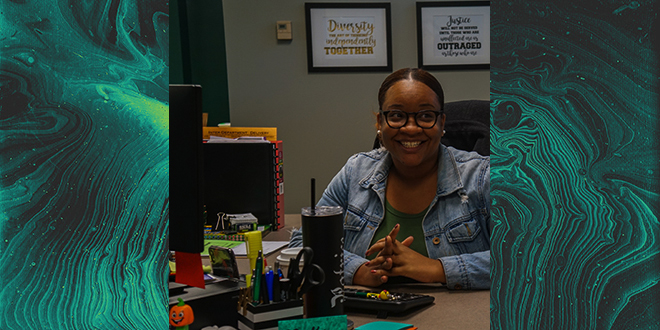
575	165
83	164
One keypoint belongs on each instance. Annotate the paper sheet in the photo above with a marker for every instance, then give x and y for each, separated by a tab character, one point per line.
268	247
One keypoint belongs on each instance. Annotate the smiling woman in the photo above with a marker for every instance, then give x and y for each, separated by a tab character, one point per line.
419	209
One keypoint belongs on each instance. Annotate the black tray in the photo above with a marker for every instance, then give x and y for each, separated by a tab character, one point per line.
405	301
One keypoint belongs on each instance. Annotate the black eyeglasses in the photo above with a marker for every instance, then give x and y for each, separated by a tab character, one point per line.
425	119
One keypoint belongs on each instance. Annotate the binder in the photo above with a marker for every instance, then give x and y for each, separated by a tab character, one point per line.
279	174
243	178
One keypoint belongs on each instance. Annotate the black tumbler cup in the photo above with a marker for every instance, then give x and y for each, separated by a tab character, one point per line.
323	231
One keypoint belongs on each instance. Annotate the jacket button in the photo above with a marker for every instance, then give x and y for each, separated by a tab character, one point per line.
436	240
457	287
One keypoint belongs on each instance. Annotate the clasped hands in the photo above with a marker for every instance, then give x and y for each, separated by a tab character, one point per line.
396	258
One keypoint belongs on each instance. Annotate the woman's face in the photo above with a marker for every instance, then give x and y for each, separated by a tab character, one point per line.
411	146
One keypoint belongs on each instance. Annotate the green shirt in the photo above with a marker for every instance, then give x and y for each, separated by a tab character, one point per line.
410	225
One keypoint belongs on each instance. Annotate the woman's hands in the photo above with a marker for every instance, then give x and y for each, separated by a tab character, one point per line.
396	258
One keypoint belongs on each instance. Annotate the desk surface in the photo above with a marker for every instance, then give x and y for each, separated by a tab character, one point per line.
450	310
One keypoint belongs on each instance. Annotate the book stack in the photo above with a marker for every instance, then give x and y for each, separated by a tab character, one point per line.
224	237
234	132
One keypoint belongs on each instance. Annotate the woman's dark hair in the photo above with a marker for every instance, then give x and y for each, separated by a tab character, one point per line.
414	74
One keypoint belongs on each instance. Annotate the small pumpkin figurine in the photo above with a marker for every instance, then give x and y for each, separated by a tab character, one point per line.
181	316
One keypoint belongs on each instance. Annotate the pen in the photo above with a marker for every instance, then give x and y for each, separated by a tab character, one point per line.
257	278
264	290
277	294
276	269
269	282
251	287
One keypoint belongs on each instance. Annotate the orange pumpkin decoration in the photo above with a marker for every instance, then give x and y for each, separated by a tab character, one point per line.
181	315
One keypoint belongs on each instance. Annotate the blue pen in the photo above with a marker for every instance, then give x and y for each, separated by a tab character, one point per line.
277	269
269	283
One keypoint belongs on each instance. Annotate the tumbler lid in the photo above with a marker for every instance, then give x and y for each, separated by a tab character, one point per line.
321	211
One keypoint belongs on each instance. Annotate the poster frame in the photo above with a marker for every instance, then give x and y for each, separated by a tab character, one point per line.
315	44
425	25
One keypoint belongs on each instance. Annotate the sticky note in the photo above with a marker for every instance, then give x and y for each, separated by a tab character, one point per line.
315	323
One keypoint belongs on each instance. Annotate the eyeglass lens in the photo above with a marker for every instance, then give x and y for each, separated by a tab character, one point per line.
398	118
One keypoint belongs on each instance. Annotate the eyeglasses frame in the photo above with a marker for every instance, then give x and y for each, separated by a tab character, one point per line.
437	116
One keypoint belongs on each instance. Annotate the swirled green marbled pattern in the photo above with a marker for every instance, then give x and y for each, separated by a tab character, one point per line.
575	165
83	164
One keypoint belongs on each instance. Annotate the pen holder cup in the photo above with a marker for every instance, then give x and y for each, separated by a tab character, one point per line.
266	316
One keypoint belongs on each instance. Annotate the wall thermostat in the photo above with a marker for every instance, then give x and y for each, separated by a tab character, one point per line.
284	30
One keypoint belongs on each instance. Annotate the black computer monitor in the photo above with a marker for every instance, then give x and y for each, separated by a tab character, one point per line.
186	201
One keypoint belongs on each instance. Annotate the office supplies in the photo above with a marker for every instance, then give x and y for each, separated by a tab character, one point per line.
253	245
269	282
219	242
277	294
396	302
233	132
224	236
257	278
284	288
279	175
242	177
264	291
311	274
244	297
267	247
267	316
241	222
240	139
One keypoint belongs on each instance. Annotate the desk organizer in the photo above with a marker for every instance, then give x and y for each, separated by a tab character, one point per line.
266	316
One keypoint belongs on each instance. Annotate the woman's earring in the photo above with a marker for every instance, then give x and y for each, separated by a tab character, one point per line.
378	133
443	132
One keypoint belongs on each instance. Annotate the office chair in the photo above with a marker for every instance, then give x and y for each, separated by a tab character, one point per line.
467	126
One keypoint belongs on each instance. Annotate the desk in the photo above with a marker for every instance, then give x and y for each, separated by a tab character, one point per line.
451	309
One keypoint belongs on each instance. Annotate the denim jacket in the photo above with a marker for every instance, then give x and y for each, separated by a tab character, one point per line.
456	226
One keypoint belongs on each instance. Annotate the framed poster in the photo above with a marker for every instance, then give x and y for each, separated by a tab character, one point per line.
348	37
453	35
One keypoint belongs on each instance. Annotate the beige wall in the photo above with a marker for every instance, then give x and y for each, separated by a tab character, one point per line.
322	118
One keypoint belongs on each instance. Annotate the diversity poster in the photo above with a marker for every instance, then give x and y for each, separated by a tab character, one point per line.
349	38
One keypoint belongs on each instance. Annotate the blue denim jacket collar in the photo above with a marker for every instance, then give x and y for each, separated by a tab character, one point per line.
449	178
